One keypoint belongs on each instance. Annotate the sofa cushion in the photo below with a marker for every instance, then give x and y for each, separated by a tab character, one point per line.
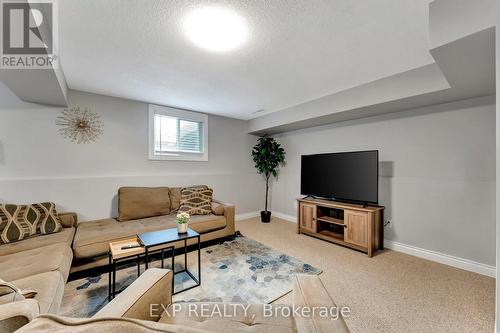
14	292
252	320
139	202
49	287
65	236
55	257
217	208
175	198
92	238
8	288
207	223
68	219
11	297
308	290
196	201
18	222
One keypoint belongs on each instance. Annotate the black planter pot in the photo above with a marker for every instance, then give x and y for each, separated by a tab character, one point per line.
265	216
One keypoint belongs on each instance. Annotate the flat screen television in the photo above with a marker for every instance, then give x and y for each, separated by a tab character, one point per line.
349	176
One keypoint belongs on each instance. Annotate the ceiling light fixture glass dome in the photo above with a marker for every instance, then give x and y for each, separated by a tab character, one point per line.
216	29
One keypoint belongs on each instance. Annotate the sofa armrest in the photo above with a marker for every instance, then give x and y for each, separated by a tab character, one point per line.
68	220
309	291
145	298
14	315
229	214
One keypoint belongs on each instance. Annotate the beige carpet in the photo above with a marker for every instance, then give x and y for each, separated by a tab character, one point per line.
391	292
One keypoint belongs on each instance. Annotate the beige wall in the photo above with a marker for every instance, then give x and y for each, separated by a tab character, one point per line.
36	163
437	173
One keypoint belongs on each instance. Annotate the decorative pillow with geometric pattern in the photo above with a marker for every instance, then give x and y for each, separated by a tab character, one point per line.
18	222
196	200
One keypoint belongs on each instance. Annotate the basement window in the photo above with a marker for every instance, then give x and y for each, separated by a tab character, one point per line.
176	134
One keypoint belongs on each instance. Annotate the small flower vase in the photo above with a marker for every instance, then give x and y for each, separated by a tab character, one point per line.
182	228
182	222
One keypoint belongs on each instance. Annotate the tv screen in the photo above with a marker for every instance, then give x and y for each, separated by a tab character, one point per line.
350	176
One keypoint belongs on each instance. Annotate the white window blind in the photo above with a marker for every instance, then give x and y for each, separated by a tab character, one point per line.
177	134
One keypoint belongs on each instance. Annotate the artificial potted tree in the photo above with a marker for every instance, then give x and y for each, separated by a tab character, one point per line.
268	156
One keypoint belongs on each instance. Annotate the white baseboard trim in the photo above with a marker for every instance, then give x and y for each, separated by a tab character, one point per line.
442	258
245	216
286	217
446	259
279	215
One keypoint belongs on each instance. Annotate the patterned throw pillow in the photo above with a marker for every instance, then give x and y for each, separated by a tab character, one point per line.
196	187
19	222
196	200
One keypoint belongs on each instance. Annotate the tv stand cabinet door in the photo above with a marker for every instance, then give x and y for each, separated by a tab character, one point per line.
308	217
356	228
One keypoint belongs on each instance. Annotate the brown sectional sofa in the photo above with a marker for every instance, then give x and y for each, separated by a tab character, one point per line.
43	263
65	236
40	263
92	238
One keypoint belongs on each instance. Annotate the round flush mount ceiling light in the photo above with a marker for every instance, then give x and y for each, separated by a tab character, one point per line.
216	29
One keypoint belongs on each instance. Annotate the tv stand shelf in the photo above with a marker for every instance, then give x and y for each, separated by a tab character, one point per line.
355	226
332	220
332	234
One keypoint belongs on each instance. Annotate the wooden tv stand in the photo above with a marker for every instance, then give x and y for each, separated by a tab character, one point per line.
350	225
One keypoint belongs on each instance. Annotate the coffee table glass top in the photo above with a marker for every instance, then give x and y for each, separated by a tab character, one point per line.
159	237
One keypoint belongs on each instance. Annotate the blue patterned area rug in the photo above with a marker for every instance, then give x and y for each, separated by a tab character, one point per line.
242	270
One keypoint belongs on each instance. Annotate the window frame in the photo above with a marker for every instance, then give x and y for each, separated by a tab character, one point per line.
182	115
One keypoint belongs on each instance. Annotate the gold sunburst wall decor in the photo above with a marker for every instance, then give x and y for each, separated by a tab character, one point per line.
80	126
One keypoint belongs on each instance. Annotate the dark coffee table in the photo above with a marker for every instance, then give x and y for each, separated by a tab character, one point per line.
161	238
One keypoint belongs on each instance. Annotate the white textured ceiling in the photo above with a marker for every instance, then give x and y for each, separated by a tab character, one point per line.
297	51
